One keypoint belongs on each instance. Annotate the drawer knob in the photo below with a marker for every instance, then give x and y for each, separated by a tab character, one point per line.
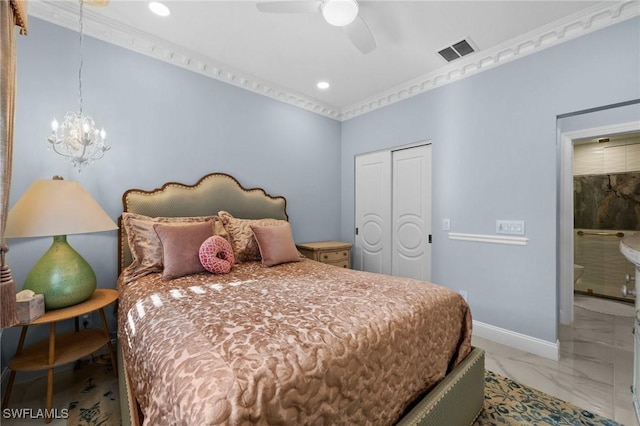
326	257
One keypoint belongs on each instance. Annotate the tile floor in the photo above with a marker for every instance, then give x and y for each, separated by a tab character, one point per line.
595	370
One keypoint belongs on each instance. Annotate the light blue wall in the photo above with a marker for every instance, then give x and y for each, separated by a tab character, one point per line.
164	124
493	135
495	157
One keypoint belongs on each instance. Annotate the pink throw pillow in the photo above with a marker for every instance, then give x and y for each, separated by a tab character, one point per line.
276	244
180	245
216	255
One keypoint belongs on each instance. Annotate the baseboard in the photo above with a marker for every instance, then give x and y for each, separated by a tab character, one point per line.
520	341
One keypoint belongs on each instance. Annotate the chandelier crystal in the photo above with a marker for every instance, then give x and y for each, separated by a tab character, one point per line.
78	137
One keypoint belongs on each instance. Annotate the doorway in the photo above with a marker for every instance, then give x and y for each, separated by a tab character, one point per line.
566	209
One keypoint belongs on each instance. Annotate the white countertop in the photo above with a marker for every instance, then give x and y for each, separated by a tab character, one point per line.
630	248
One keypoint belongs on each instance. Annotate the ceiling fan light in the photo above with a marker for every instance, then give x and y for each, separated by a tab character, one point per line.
159	9
339	12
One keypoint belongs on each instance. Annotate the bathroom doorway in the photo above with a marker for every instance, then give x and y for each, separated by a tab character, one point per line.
606	207
566	231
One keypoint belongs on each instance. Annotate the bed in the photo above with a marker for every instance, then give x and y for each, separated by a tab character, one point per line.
296	342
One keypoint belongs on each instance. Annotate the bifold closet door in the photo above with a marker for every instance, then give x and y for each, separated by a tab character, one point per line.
393	212
411	213
373	213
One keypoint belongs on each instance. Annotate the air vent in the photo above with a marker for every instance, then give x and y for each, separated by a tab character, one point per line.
457	50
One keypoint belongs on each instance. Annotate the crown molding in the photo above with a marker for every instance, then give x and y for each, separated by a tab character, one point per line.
591	19
65	14
601	15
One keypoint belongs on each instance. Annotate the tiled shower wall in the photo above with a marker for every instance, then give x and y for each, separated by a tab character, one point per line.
606	203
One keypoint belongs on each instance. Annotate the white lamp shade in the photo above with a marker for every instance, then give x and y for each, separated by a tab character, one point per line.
56	207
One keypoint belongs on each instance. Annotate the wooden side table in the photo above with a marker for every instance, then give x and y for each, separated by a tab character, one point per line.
65	348
334	253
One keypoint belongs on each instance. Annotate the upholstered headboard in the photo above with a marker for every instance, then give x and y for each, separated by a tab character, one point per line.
212	193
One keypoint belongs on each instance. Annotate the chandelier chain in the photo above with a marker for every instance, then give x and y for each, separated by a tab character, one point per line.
78	137
81	53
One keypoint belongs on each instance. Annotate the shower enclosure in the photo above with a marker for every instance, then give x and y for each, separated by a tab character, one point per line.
606	209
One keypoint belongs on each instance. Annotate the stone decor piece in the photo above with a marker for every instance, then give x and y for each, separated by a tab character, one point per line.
610	201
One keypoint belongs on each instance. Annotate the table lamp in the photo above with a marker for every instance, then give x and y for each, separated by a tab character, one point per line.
56	208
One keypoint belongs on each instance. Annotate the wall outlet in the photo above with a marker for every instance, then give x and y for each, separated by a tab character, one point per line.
464	295
513	227
85	321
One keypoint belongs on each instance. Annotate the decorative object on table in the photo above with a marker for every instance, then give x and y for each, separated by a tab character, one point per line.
29	305
56	208
77	137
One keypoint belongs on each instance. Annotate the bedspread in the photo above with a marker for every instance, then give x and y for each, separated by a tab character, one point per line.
299	343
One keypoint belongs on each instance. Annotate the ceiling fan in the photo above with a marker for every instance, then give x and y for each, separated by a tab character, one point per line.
340	13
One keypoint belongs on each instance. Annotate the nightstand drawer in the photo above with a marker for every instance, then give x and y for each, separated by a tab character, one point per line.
343	264
334	256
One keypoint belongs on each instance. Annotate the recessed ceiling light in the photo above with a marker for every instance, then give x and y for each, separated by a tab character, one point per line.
159	8
323	85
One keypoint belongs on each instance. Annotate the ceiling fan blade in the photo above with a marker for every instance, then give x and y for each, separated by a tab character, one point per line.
289	6
360	34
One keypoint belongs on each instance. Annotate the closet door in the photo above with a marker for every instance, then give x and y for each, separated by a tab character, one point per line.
372	250
411	213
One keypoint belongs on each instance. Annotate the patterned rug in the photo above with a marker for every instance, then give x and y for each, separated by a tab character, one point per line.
94	395
95	401
509	403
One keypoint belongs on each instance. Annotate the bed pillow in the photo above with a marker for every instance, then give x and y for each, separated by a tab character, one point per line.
216	255
144	244
245	246
276	244
180	247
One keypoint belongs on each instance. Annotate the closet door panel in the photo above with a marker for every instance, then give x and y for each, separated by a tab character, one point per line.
372	250
411	212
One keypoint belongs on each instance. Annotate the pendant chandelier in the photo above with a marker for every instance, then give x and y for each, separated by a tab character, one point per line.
78	138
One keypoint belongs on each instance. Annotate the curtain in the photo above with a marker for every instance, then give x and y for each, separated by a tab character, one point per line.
12	14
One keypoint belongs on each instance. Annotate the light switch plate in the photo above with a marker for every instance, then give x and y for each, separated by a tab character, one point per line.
446	224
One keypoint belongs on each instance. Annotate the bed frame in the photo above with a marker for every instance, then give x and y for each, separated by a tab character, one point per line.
456	400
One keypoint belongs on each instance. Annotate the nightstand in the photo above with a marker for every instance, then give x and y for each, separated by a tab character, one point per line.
65	348
330	252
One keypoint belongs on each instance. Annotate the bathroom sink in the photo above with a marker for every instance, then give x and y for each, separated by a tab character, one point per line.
630	248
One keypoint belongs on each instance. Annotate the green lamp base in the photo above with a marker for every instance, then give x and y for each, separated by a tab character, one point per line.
62	276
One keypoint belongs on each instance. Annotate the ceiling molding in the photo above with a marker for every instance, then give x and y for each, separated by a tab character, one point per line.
599	16
589	20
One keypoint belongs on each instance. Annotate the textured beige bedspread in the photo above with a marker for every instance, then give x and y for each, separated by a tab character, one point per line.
300	343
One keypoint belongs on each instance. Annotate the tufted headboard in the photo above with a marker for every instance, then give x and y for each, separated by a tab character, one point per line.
212	193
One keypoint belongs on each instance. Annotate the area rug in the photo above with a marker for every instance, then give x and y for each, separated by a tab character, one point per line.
95	401
507	402
604	306
94	395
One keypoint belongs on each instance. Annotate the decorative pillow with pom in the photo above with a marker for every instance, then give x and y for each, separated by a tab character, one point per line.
216	255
